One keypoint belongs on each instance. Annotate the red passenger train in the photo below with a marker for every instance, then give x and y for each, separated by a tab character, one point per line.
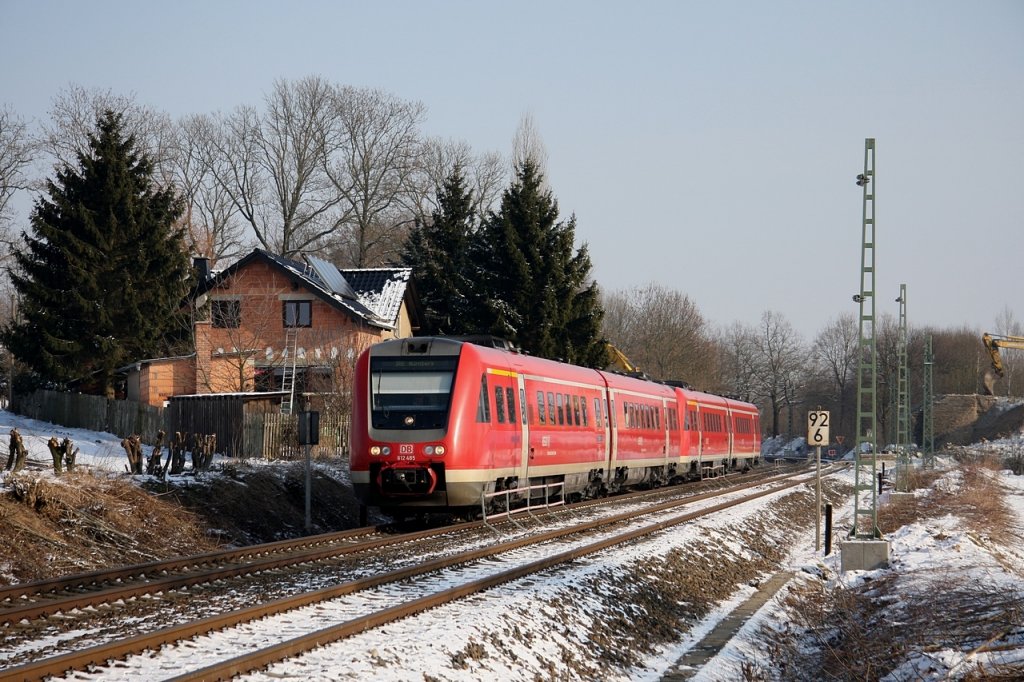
439	424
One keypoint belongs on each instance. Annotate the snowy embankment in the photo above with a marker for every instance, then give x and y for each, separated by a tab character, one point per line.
632	613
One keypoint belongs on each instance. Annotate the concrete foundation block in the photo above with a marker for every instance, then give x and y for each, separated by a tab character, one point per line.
864	555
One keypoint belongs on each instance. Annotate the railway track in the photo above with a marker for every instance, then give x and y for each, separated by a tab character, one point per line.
98	655
30	601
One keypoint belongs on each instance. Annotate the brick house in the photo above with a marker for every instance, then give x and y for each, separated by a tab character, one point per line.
267	322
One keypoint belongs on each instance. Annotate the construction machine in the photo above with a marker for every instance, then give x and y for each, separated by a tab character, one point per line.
993	342
618	362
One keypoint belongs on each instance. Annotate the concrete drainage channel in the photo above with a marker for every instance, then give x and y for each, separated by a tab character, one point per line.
691	662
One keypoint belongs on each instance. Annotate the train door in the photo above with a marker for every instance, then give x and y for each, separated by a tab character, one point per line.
613	429
524	435
664	419
730	440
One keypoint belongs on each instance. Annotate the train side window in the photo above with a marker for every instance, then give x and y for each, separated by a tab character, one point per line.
551	408
597	412
657	418
609	414
541	417
561	411
522	404
483	407
576	409
499	404
583	409
568	410
510	398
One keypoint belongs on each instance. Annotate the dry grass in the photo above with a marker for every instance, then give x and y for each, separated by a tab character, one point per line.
83	522
868	631
978	500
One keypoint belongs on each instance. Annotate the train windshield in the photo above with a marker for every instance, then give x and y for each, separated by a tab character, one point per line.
411	392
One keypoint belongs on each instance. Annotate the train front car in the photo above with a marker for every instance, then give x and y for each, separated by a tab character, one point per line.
402	400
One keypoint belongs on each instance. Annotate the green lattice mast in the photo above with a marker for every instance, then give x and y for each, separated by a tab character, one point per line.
903	399
927	413
865	498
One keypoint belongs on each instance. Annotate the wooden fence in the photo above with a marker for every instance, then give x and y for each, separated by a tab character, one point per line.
246	425
275	436
94	413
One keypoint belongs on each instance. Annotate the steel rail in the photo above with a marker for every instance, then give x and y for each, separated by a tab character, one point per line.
278	555
101	654
257	660
136	571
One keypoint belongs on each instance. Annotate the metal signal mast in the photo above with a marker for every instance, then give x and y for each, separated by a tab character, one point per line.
927	414
865	498
903	399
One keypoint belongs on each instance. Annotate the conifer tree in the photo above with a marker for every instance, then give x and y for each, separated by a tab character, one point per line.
438	254
105	269
534	285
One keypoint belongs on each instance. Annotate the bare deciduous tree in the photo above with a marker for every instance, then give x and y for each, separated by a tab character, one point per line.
271	166
213	226
486	175
17	152
739	361
527	144
780	352
662	332
373	155
835	349
73	116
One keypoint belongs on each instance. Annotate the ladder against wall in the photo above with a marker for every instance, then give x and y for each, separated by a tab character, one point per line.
291	343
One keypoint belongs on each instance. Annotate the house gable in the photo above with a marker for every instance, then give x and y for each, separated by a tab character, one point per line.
266	312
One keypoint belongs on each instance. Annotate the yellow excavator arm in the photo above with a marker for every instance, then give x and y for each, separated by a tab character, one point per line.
993	342
617	360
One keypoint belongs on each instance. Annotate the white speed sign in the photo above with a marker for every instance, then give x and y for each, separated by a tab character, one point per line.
817	428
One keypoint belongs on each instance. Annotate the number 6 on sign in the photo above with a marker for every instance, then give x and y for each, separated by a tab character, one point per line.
817	428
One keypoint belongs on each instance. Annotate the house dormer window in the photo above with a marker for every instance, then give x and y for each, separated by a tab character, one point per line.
298	313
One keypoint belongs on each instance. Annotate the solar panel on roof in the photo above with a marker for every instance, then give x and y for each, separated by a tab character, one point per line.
331	277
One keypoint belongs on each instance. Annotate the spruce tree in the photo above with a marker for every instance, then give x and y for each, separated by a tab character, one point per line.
534	285
438	254
106	268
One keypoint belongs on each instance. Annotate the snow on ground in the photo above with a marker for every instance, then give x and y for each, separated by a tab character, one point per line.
97	451
530	629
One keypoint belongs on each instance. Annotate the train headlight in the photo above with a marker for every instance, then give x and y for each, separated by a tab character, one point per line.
386	450
439	450
378	450
375	450
434	450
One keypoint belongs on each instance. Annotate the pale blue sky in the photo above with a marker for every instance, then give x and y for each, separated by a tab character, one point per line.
707	146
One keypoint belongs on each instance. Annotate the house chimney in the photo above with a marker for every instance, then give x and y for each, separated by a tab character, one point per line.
202	268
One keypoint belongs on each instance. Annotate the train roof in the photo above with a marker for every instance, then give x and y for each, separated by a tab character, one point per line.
498	351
